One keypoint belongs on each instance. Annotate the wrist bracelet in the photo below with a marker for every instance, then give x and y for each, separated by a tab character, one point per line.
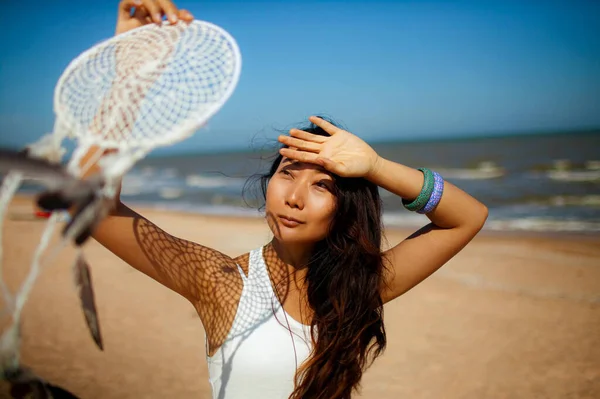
436	195
426	190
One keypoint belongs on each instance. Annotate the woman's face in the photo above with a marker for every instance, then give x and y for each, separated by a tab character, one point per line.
300	203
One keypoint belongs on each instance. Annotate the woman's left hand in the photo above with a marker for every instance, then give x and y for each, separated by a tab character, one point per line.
342	153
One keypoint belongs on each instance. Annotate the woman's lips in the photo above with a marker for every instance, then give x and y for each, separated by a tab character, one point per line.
289	222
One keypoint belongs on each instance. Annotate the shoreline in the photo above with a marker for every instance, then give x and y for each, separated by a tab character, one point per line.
590	236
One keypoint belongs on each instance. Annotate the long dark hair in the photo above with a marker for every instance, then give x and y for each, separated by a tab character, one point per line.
343	279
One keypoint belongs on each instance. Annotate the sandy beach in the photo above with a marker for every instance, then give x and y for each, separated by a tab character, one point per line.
511	316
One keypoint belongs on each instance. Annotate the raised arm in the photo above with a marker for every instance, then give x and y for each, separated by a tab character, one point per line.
130	236
455	221
205	276
192	270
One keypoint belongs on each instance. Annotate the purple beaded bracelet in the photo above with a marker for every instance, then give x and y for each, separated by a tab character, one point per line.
436	195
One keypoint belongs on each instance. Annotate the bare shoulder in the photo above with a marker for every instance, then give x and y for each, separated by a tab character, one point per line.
244	262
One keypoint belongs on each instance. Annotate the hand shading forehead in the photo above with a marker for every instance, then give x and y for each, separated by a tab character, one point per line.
297	165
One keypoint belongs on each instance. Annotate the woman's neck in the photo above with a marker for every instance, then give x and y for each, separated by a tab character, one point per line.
294	255
292	260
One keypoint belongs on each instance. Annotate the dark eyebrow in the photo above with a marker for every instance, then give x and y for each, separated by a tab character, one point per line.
293	164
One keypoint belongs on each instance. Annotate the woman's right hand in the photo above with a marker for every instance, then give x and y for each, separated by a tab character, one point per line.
135	13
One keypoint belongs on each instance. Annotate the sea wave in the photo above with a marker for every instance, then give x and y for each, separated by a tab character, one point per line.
533	204
571	200
544	225
203	209
169	182
201	181
403	219
565	170
534	223
575	175
485	170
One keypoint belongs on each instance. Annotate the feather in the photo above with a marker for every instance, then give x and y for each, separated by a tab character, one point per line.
63	189
50	174
83	281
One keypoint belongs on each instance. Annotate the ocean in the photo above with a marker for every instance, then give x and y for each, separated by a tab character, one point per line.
539	182
535	183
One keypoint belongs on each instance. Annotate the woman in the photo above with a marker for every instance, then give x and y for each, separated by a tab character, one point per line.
301	317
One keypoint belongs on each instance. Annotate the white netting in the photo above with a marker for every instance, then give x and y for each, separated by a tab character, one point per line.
150	87
164	80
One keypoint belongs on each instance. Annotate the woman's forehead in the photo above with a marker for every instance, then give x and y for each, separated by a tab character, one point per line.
298	165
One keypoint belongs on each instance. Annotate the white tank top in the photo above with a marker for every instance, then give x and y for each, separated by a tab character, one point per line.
265	345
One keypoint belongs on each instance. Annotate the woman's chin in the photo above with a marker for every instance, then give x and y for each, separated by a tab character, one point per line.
288	238
291	236
294	234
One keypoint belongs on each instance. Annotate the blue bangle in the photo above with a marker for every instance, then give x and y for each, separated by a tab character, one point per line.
426	190
436	195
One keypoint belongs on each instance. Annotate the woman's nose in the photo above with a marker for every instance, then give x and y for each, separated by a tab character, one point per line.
295	196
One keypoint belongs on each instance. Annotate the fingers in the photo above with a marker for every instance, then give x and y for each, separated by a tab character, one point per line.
300	156
299	144
143	10
323	124
125	7
147	11
327	164
169	9
301	134
154	9
310	157
158	8
186	16
141	14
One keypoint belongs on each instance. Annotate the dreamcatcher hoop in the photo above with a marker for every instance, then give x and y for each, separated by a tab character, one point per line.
150	87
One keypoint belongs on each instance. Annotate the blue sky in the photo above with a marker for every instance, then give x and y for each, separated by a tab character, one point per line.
387	70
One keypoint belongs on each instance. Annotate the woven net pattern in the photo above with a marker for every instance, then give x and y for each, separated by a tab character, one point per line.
149	87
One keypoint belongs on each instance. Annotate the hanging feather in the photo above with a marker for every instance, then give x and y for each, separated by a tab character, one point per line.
83	281
62	189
